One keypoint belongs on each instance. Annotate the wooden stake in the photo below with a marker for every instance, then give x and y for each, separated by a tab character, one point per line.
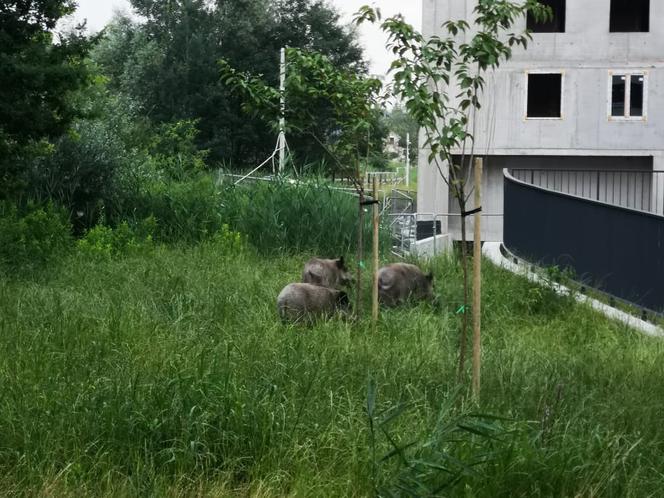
376	223
360	256
477	282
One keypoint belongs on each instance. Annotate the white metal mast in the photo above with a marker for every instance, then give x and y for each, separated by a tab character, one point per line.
407	159
282	118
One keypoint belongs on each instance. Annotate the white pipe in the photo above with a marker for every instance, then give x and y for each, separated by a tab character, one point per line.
407	159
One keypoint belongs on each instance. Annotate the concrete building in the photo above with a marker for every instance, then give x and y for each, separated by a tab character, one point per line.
587	94
392	147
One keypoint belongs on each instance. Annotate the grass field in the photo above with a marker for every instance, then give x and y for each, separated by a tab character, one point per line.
168	374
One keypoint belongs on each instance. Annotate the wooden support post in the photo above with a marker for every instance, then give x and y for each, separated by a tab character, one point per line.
477	282
360	256
376	223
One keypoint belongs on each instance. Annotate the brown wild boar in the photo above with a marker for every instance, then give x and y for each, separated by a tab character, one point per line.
399	282
330	273
305	303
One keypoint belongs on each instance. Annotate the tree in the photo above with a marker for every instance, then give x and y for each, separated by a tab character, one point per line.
441	80
168	63
39	72
401	123
351	105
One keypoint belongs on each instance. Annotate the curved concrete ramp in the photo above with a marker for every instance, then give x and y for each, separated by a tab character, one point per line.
491	251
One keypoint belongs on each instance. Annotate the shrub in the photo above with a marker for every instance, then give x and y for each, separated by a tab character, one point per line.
175	152
229	241
187	211
31	237
81	172
105	242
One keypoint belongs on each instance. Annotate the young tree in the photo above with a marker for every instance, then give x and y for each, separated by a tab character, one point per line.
441	80
351	104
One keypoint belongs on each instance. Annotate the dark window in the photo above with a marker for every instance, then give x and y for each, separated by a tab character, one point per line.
636	96
544	95
618	92
554	25
630	16
627	95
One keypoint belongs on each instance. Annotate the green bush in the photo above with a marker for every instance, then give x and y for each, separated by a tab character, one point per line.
175	152
81	172
31	237
228	241
105	242
275	217
184	211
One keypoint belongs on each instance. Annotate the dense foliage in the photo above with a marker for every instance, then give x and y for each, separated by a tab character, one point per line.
168	64
39	72
165	372
335	110
147	109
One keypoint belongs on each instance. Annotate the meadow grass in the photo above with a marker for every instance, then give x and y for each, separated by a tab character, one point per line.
168	374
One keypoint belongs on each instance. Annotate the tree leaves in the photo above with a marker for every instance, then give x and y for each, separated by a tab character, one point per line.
313	83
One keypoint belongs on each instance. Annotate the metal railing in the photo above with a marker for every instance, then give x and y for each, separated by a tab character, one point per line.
613	249
406	230
400	208
382	178
633	189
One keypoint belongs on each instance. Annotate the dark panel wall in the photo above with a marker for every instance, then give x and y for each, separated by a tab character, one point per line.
614	249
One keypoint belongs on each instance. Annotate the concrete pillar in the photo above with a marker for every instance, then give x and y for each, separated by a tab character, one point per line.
429	17
657	197
433	195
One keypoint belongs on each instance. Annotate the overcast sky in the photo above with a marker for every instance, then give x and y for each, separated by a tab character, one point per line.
99	12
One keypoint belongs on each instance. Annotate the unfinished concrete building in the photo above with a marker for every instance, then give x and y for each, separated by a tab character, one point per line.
585	99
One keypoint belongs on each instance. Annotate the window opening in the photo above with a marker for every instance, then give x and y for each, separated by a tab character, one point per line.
629	16
544	95
618	95
554	25
628	95
636	95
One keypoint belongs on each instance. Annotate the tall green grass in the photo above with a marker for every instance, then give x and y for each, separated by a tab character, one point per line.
283	217
168	374
276	217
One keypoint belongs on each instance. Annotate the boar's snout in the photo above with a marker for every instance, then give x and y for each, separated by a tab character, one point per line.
345	277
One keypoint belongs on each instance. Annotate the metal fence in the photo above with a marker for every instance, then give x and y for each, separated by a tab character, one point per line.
382	178
400	209
640	190
614	248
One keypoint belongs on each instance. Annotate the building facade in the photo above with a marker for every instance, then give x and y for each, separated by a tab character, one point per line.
587	94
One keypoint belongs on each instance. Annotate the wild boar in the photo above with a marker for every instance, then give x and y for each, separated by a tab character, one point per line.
399	282
305	303
331	273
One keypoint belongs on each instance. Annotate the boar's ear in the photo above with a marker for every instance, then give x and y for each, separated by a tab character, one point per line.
430	276
340	263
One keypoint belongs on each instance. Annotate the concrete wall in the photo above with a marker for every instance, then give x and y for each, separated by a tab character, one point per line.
628	195
585	126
